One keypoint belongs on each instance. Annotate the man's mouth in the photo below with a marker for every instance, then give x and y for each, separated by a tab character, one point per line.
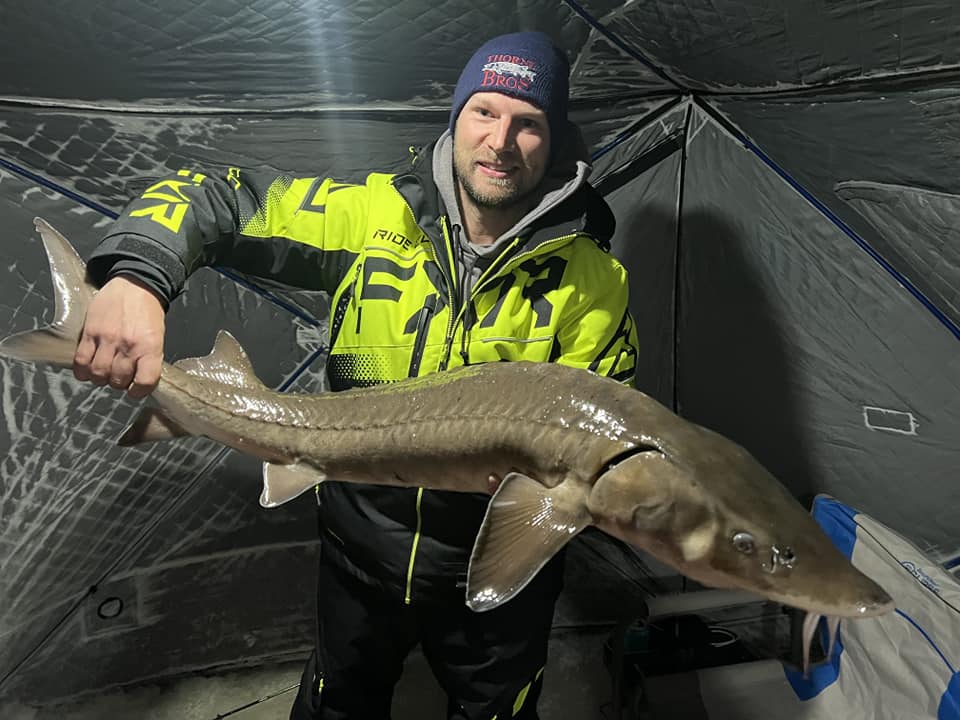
495	170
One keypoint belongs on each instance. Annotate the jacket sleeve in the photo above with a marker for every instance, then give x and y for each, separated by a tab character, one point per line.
302	232
598	332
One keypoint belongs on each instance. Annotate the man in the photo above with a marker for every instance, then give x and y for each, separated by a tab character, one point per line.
493	247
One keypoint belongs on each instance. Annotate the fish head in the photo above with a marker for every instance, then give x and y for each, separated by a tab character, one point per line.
774	548
719	517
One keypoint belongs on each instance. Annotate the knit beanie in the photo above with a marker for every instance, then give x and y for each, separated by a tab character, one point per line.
524	65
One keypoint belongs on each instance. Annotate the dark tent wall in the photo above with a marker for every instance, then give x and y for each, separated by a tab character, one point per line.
784	178
844	381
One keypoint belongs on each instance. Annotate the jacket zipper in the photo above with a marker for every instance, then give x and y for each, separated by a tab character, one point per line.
455	305
408	595
429	307
347	298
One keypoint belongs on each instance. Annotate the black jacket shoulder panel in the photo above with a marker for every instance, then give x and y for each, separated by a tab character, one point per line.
585	212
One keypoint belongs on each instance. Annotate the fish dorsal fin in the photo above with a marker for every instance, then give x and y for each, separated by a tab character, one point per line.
282	483
151	425
526	524
227	363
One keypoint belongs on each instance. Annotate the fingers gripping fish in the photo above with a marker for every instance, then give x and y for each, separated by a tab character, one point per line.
573	448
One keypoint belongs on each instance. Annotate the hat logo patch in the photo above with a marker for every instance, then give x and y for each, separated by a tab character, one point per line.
508	71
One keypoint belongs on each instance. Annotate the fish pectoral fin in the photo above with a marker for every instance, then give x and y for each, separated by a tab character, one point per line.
282	483
151	425
526	524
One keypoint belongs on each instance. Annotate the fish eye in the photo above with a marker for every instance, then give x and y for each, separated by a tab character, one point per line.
743	542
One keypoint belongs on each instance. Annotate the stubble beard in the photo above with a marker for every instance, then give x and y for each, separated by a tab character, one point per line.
512	194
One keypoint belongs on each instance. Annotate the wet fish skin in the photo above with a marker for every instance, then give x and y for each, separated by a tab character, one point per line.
573	448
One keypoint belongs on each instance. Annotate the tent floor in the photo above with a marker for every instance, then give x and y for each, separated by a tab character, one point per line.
576	685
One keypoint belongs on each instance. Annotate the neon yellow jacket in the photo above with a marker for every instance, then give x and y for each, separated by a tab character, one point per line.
384	253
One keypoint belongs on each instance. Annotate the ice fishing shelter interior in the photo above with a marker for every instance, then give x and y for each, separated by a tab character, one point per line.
785	180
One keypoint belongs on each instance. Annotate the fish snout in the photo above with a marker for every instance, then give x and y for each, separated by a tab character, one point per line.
875	602
846	591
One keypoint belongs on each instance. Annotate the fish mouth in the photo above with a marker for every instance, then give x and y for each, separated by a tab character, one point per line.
874	607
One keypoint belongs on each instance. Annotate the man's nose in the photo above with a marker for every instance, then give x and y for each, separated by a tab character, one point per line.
502	137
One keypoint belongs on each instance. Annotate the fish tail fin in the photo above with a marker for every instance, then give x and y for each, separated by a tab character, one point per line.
56	344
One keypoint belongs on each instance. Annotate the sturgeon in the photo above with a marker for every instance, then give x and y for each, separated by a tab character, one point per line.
572	448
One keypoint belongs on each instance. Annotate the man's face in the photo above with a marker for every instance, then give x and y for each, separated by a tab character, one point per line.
500	149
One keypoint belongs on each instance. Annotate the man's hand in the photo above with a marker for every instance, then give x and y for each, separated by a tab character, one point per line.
122	339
